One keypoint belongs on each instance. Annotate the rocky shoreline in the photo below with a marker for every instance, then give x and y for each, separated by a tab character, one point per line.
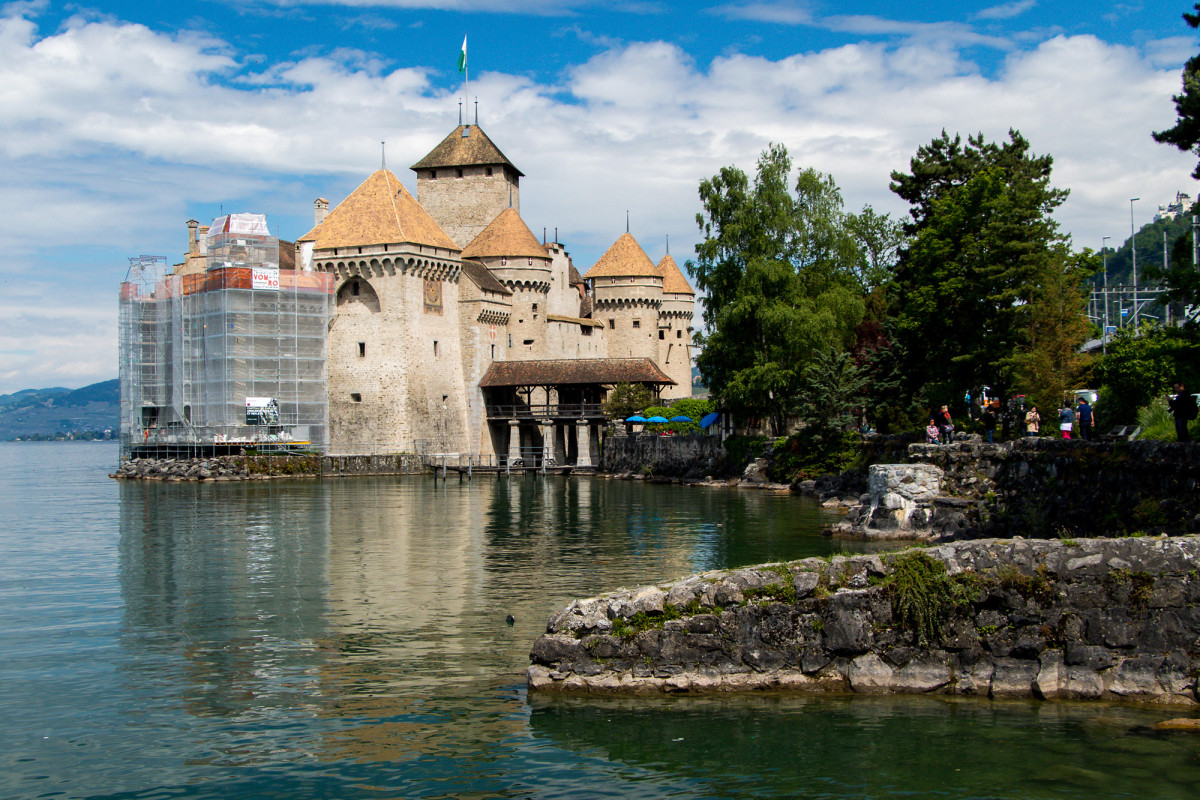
1111	619
190	469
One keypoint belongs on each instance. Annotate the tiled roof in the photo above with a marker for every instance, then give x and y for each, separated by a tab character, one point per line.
379	211
482	278
506	235
564	372
625	259
457	150
575	278
673	280
582	322
287	254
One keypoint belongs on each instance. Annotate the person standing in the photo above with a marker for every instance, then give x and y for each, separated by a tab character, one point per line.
1066	419
988	418
1084	414
945	425
1183	409
1032	421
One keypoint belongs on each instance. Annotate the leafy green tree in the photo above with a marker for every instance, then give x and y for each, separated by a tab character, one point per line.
982	242
831	391
1186	133
1133	372
776	269
627	399
879	239
1048	361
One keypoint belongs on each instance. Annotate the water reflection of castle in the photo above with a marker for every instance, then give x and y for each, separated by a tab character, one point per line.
376	599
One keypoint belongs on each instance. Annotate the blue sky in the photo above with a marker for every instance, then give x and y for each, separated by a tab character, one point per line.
120	121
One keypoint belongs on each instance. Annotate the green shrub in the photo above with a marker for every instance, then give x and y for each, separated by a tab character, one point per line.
924	597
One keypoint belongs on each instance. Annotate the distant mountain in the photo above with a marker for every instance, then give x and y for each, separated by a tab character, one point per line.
57	410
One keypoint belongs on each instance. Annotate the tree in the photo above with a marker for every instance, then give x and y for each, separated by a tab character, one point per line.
1048	362
627	399
1136	369
832	388
777	273
1186	133
982	243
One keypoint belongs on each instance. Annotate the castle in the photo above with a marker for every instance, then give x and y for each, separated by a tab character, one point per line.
456	330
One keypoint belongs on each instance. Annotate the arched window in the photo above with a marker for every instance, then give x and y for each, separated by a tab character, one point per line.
357	292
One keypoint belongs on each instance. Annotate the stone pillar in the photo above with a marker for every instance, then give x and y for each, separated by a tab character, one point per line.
583	434
548	440
514	441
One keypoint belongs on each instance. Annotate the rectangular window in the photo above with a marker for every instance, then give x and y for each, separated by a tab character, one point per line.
662	334
362	349
435	348
612	324
678	334
637	323
356	397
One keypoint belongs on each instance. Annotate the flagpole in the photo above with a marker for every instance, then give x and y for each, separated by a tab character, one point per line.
466	75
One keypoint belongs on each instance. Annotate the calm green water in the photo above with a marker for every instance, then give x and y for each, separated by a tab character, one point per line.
346	639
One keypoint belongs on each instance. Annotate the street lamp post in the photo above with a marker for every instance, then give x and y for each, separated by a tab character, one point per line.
1133	252
1104	257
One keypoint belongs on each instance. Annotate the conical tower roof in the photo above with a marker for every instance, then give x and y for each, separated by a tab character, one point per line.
625	259
506	235
379	211
466	146
673	280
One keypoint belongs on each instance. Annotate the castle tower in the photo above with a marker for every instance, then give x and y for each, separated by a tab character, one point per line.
628	290
675	328
465	182
395	366
514	256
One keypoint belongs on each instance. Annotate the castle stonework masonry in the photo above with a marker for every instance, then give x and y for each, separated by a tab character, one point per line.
454	330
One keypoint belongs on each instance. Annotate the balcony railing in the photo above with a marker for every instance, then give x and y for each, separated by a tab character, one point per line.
545	411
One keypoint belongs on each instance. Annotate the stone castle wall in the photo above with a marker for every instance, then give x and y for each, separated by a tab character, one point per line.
1087	619
464	206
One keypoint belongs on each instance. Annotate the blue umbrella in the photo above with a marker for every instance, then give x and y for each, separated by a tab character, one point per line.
635	418
709	419
681	418
657	419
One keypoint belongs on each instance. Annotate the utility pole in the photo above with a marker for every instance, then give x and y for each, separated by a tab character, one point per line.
1104	256
1133	252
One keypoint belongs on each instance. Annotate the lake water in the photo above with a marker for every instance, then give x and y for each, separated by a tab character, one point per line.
346	639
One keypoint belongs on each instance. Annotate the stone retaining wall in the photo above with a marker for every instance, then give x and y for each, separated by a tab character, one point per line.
262	467
1087	619
666	456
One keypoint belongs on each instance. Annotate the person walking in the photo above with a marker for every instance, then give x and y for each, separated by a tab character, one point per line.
1183	409
945	425
1032	421
1066	419
1084	415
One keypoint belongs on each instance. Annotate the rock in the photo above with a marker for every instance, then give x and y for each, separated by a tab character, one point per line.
870	675
1189	724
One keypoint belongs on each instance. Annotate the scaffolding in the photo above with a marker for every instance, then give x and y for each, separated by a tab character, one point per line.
226	359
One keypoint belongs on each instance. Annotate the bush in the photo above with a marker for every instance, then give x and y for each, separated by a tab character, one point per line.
811	452
1158	424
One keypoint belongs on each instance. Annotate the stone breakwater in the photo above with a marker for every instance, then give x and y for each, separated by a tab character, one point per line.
189	469
262	467
1088	619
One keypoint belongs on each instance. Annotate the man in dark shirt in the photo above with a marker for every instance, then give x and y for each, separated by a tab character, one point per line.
1083	415
1183	409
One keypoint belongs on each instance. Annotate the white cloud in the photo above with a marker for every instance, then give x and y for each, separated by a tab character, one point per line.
112	135
1006	10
